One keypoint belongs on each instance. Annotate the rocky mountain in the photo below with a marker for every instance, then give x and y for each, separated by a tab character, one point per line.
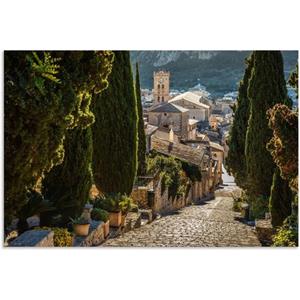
218	71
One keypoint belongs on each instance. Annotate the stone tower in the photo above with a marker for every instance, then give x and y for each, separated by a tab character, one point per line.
161	87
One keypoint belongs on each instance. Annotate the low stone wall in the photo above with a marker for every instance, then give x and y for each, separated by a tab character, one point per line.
132	221
94	238
34	238
160	201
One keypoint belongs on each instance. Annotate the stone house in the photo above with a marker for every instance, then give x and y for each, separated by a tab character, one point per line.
192	129
167	133
195	156
213	122
197	110
171	116
148	193
218	155
149	131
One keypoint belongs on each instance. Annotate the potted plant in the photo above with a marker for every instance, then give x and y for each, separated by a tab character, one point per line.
110	203
99	214
81	226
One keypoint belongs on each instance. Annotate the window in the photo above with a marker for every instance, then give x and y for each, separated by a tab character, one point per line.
158	86
162	86
162	98
158	99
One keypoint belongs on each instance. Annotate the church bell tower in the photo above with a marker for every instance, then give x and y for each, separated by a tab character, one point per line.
161	87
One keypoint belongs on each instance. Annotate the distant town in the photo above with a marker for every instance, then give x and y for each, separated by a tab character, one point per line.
193	117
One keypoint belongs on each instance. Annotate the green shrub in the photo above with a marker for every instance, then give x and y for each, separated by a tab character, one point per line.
237	204
134	207
287	234
125	204
114	202
238	200
79	221
109	202
259	205
99	214
172	173
62	237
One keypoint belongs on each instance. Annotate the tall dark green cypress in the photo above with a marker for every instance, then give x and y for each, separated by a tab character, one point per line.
280	199
67	186
266	88
43	100
115	130
236	160
293	80
141	131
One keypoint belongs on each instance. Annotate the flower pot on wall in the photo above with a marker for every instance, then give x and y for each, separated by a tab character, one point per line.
106	228
81	229
115	219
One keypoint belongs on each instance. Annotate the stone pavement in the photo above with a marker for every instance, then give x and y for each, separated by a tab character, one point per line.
211	223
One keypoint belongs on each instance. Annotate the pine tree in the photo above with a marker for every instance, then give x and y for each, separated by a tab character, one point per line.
280	203
115	130
266	88
141	131
236	161
67	185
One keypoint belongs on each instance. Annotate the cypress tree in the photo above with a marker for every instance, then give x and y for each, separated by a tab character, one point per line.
236	161
115	130
45	95
280	203
266	88
67	186
293	80
141	131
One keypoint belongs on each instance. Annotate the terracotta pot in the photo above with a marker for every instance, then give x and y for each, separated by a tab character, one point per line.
106	229
81	229
115	219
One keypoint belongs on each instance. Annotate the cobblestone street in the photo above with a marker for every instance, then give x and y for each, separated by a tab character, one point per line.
211	223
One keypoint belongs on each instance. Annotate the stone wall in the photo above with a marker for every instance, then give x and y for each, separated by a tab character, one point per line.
152	196
166	118
94	238
161	199
139	195
195	112
34	238
161	202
